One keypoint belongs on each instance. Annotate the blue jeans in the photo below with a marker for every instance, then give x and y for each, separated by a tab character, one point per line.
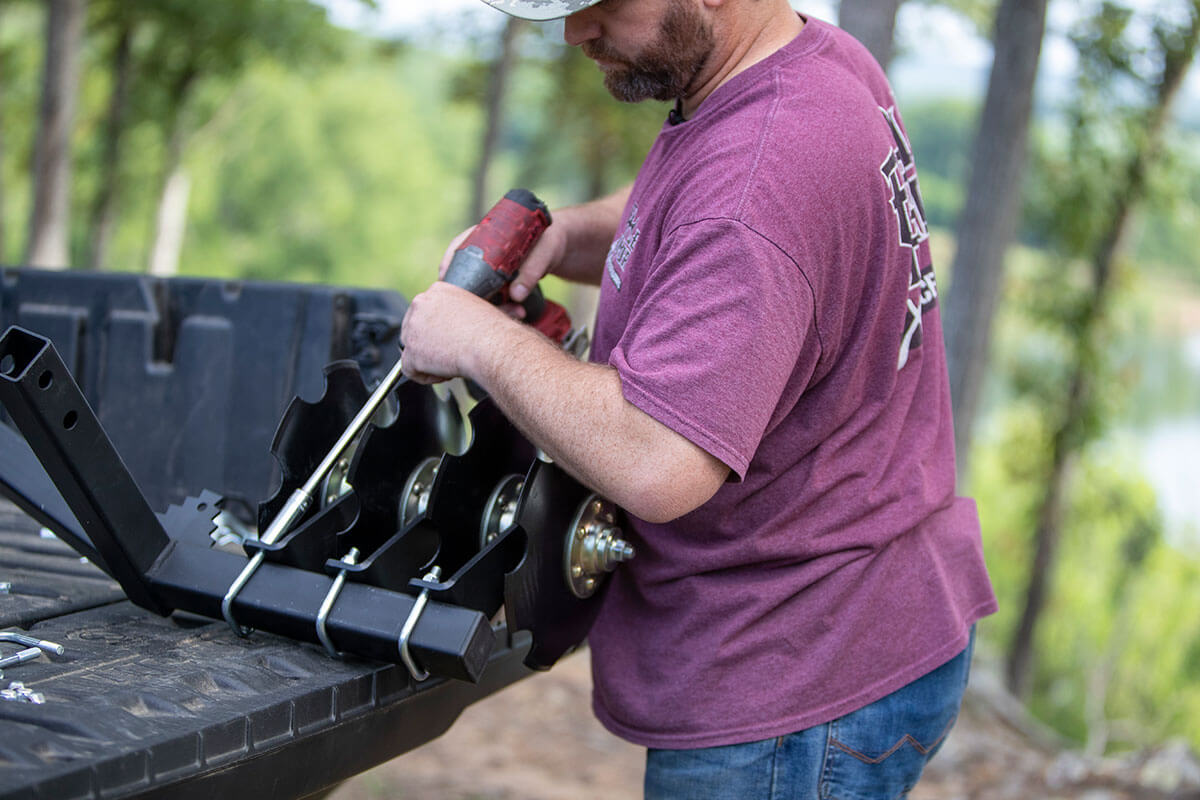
875	752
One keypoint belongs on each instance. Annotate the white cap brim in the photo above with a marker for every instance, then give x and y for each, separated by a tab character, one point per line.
540	10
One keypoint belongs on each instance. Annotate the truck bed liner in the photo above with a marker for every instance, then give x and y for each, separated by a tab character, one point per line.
146	707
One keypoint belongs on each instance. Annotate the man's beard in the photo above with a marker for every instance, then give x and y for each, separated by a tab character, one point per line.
667	67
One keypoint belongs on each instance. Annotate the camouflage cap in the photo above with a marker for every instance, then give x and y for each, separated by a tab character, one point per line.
540	9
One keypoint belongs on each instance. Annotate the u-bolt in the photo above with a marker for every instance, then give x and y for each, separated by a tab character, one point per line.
32	641
327	605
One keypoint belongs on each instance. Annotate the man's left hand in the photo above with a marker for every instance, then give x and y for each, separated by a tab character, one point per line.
444	330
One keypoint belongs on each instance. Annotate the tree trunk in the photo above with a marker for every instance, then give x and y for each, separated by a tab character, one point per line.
493	117
170	223
1046	540
1068	439
170	217
989	217
49	220
103	218
872	22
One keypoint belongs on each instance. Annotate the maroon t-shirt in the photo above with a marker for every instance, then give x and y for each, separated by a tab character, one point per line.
770	296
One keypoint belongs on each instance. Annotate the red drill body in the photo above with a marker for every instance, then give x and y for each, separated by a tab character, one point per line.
491	255
489	258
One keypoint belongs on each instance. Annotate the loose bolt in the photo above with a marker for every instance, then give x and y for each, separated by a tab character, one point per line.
29	654
32	641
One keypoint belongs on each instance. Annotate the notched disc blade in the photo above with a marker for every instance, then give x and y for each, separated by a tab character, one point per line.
465	482
307	431
536	595
387	456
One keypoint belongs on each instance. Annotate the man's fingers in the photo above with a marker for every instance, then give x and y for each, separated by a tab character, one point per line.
443	327
414	372
538	264
514	310
532	271
546	253
426	379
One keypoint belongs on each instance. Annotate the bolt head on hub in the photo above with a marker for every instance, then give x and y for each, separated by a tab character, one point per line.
594	546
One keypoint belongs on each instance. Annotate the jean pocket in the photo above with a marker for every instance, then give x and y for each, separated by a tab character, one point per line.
879	751
862	766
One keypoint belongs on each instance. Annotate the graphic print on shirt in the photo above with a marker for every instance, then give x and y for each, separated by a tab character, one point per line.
622	249
900	171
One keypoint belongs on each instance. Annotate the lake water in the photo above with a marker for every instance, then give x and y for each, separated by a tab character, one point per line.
1170	451
1171	461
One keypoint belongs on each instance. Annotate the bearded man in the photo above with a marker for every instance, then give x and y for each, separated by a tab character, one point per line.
767	398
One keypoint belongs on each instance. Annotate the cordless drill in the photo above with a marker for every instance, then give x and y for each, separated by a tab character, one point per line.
484	265
487	261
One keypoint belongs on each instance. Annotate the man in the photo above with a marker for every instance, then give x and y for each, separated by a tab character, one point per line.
768	400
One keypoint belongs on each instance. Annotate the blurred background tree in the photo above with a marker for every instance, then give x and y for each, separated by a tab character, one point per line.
1115	142
872	22
256	139
989	217
49	219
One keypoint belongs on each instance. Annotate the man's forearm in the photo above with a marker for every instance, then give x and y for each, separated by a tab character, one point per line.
576	413
589	230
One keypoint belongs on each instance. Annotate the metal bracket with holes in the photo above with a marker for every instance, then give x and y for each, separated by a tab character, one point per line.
507	528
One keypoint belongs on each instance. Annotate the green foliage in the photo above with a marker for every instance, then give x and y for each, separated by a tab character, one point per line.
562	134
1038	348
1114	125
358	185
1112	646
586	141
941	133
1078	176
317	155
179	43
185	57
1115	642
1167	236
1114	526
20	24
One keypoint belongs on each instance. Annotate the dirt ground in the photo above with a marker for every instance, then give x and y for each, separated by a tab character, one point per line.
538	740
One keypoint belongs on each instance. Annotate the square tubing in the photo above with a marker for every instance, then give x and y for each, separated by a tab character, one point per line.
448	640
51	412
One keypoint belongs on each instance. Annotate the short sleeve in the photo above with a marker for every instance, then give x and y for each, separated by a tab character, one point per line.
716	336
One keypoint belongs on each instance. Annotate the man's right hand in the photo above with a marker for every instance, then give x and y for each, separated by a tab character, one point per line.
573	247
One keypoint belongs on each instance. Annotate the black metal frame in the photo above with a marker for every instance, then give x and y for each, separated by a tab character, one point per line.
169	564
